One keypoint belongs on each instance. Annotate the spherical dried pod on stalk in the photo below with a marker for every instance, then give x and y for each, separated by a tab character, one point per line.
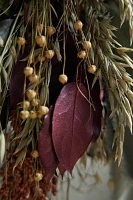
39	116
39	28
43	110
78	25
35	102
92	69
86	45
24	114
30	59
31	94
50	30
35	154
38	177
63	78
41	40
25	104
81	54
49	54
33	78
40	58
33	114
28	71
21	41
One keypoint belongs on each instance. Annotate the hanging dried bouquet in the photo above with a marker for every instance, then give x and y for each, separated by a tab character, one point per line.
57	59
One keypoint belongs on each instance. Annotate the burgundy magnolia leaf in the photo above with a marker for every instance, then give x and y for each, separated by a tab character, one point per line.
45	146
72	125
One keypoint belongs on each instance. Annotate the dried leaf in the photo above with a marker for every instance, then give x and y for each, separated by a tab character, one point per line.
7	62
128	118
2	147
72	125
5	76
20	158
116	135
127	105
23	143
25	130
45	146
43	94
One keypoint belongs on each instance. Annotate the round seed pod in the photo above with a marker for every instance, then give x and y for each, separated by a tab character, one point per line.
33	114
92	69
49	54
28	71
35	154
33	78
43	110
81	54
31	94
21	41
63	78
35	102
38	177
39	28
31	59
40	58
78	25
50	30
41	40
86	45
25	104
24	114
39	116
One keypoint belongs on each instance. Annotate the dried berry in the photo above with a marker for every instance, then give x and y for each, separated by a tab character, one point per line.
33	78
28	71
35	154
43	110
49	54
81	54
31	94
40	58
50	30
33	114
41	40
24	114
63	79
86	45
39	116
25	104
21	41
78	25
92	69
31	59
35	102
38	177
39	28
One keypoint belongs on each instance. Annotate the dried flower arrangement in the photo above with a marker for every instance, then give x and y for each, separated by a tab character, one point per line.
55	61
